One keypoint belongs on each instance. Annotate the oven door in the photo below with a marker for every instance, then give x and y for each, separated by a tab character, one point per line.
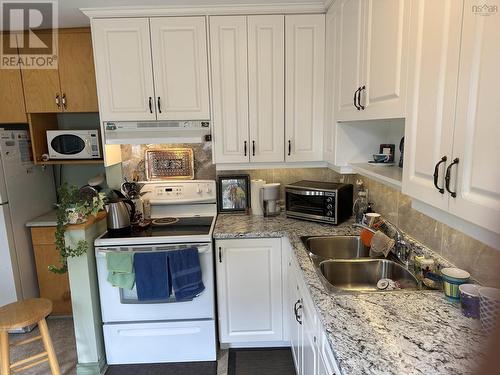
308	204
119	305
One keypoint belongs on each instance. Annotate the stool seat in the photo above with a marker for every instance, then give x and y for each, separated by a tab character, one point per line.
24	313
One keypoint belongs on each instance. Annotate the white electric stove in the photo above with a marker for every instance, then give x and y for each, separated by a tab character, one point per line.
183	215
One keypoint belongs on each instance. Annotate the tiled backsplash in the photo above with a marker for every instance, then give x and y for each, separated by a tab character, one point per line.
482	261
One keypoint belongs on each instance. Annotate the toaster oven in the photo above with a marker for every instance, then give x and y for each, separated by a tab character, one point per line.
325	202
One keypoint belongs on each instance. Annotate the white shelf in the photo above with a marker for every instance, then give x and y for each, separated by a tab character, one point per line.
388	175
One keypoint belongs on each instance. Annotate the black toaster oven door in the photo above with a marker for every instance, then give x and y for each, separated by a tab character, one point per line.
310	203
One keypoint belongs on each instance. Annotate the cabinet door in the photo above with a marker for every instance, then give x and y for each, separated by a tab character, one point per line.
249	290
477	122
12	109
228	51
332	43
349	57
41	87
76	72
432	89
123	68
304	94
385	58
180	64
52	286
295	327
266	87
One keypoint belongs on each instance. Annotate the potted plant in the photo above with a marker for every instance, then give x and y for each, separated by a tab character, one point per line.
72	209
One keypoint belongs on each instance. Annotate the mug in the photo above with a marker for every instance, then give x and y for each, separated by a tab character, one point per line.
381	158
370	219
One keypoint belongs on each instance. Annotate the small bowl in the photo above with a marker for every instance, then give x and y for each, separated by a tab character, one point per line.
489	307
381	158
452	279
469	299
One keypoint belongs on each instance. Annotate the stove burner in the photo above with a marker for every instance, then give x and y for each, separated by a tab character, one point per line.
163	221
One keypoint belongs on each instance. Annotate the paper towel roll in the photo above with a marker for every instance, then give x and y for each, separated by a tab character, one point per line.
256	196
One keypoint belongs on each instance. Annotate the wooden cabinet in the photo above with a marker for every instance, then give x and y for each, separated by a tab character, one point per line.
247	59
304	88
52	286
475	145
372	65
432	90
452	121
76	72
249	291
12	108
71	87
228	42
151	69
180	65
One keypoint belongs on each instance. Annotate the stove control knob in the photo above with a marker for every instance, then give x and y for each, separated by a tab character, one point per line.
329	206
329	213
208	190
198	190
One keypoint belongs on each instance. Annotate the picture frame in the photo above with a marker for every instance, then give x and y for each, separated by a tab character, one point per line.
233	193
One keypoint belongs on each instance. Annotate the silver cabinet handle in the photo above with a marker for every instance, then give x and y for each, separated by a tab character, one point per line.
58	101
64	101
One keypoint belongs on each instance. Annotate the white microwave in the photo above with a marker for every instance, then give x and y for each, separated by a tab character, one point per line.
73	144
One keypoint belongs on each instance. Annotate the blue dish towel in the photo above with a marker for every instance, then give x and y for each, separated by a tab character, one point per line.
151	276
184	266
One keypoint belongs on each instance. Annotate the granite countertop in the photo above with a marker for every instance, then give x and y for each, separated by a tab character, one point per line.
417	332
48	219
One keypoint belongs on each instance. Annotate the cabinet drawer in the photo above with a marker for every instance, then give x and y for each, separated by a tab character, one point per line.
43	235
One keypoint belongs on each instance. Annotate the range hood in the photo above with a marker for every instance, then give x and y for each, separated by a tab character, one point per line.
164	132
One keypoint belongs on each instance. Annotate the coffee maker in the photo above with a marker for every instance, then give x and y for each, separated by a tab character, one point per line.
270	197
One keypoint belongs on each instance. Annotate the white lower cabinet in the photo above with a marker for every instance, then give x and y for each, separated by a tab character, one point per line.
263	300
249	290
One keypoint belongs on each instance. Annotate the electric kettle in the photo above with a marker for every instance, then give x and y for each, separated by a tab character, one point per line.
118	214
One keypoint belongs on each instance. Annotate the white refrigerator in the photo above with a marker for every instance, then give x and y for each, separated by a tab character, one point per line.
26	191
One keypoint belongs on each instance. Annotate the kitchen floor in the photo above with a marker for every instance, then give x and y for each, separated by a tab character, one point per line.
63	337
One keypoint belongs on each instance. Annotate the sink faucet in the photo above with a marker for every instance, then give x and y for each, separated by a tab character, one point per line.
401	249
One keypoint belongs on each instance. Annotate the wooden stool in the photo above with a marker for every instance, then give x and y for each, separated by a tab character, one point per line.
22	314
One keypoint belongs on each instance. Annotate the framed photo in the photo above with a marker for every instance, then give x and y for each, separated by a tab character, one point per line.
233	194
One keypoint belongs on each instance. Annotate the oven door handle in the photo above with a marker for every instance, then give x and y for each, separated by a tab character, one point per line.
101	252
305	192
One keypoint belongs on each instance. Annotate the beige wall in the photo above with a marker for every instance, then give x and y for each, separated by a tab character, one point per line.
482	261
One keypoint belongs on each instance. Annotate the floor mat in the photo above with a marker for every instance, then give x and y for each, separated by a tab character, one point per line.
188	368
268	361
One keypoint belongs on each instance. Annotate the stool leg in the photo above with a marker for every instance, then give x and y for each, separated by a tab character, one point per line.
47	342
4	347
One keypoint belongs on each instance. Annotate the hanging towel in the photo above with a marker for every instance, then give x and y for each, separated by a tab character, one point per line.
120	269
184	266
151	276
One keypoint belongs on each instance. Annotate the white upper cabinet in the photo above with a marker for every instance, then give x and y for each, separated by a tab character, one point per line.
432	90
347	78
372	66
122	56
266	87
228	43
385	58
249	292
304	93
180	65
151	72
331	51
477	129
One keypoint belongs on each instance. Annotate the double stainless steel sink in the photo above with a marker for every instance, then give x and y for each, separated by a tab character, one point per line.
345	265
